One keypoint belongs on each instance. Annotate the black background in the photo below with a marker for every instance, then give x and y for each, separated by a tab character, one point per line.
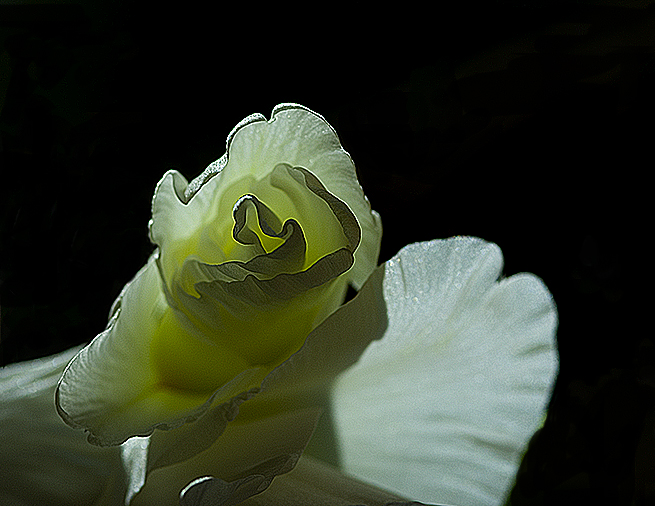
529	124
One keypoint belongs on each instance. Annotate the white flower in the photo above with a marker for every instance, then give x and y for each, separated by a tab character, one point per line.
229	340
253	261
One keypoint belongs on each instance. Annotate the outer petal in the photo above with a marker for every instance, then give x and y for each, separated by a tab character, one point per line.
117	394
111	388
250	454
310	483
442	407
42	460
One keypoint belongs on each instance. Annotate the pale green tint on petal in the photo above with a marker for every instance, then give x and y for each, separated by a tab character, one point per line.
261	310
300	381
112	387
294	136
152	368
177	226
332	347
42	460
443	406
293	193
259	450
142	455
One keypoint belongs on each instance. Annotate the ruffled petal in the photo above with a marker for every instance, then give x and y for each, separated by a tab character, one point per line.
442	408
249	455
253	255
115	387
295	136
176	225
43	461
295	388
100	398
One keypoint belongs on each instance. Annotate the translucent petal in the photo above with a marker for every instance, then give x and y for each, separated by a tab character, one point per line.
442	407
331	348
113	389
253	255
257	450
98	398
43	461
175	225
295	136
261	310
296	385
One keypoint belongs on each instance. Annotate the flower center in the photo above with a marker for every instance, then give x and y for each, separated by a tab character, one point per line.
277	283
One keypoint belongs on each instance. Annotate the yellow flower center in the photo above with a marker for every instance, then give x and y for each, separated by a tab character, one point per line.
249	294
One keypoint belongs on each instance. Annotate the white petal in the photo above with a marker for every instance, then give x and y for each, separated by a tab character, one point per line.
112	387
257	450
42	460
300	381
174	222
105	396
442	407
294	135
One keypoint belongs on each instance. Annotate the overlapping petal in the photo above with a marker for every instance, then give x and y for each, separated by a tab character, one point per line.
111	387
442	407
251	453
273	427
236	285
315	483
290	288
43	461
295	136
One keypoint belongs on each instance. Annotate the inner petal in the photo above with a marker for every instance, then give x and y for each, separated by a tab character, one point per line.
286	188
278	283
257	230
285	194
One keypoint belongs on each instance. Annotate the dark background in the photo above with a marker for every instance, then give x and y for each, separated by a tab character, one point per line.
529	124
